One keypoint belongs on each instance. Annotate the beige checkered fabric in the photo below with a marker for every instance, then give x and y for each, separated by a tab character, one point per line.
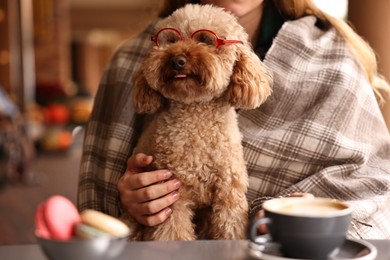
321	131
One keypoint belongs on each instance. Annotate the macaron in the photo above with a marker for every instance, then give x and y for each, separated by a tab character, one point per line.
40	223
104	223
56	218
87	232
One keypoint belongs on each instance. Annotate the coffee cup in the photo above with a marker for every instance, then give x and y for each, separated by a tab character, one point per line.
304	228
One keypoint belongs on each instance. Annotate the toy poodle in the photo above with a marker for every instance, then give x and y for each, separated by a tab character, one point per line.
200	69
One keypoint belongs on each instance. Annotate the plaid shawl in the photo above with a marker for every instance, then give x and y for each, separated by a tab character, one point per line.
321	131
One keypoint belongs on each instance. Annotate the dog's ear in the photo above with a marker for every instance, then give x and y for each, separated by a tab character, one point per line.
250	83
145	99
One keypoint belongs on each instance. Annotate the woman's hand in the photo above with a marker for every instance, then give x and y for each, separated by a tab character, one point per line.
146	196
263	228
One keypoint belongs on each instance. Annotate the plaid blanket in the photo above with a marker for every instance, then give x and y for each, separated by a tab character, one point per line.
321	131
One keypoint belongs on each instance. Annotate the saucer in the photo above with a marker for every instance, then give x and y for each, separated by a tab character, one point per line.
350	250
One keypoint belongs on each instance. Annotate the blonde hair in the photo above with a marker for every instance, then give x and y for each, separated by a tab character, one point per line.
294	9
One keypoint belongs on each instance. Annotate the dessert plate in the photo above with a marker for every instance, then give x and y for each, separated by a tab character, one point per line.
350	250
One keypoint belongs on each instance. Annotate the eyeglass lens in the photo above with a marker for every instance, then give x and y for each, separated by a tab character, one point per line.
205	37
169	36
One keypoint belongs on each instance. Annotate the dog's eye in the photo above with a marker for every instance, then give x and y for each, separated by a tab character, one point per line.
205	38
167	37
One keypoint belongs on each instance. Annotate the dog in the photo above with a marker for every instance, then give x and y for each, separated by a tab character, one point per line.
199	71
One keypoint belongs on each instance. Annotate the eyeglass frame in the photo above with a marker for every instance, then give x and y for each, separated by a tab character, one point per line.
219	41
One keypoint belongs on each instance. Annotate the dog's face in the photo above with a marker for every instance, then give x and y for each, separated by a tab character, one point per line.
201	53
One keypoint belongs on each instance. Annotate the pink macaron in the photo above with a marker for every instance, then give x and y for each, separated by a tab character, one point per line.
56	218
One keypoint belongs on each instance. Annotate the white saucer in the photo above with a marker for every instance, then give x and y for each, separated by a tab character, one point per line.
350	250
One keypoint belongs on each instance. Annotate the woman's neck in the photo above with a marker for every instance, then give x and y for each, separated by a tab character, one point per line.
251	23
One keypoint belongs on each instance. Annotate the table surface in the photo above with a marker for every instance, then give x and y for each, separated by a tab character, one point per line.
203	249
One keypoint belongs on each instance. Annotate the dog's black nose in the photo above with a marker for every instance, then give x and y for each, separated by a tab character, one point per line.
178	62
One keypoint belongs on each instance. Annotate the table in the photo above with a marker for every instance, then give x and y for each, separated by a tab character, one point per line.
173	250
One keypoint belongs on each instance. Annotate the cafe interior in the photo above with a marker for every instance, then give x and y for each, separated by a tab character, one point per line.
52	55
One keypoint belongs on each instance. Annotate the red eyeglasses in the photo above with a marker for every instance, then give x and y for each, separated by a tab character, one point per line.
167	36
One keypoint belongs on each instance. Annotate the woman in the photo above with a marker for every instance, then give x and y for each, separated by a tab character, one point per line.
321	132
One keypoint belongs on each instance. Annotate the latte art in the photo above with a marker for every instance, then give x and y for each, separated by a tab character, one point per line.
310	209
306	207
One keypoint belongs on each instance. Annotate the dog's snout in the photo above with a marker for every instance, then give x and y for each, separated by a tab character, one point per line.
178	62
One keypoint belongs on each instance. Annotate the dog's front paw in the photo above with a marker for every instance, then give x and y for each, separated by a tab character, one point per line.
178	226
230	230
230	221
166	232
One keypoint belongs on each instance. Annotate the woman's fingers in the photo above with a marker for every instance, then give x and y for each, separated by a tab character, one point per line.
154	206
156	211
156	191
154	220
147	195
262	229
134	181
137	162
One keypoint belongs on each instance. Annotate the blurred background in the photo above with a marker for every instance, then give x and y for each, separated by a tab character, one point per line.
52	55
